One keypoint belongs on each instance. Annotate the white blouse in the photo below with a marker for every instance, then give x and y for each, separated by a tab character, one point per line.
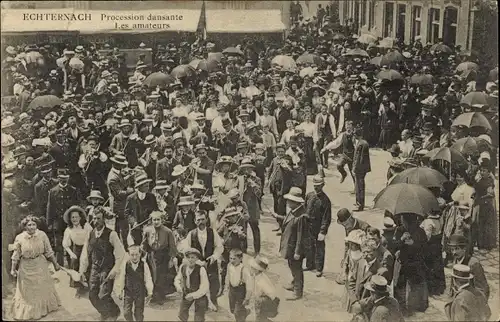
76	235
287	134
308	127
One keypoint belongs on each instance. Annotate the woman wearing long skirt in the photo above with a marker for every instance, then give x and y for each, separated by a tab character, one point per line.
410	280
308	128
35	295
484	209
434	263
74	237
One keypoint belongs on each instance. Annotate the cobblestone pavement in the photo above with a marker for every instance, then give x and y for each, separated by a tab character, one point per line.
322	296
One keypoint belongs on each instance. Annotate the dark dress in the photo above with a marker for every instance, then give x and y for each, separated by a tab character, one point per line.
484	213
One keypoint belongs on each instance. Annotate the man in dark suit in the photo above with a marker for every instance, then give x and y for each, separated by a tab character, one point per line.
468	303
139	205
295	240
60	198
165	166
360	167
42	188
282	115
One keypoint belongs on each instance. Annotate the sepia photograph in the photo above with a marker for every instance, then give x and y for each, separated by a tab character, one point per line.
265	161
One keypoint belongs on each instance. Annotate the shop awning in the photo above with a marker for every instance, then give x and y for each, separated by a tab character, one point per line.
137	22
244	21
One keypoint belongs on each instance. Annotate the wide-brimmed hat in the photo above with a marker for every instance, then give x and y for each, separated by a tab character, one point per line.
191	251
161	184
377	284
355	236
119	159
7	140
71	209
225	159
105	74
125	122
457	240
150	139
186	201
343	215
178	170
79	49
141	179
247	163
259	263
96	194
177	136
166	126
318	180
462	271
7	122
295	194
199	147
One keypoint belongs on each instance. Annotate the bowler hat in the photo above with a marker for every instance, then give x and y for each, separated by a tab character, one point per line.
343	215
457	240
192	251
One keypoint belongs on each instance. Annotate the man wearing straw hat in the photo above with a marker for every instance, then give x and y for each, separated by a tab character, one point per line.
295	240
318	207
60	198
126	143
468	304
139	205
119	189
104	253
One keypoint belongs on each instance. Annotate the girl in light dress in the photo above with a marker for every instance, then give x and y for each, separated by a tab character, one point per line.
354	254
74	237
35	294
309	129
288	133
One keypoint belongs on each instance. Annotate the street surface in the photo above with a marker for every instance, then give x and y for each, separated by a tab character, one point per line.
322	296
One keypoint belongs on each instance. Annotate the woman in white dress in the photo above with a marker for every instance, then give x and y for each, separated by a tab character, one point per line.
288	133
35	295
308	129
74	237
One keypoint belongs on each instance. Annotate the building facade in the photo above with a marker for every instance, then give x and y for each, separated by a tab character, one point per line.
428	20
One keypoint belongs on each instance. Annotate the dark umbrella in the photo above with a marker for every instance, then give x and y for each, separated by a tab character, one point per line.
450	155
389	74
475	98
46	101
424	176
440	47
357	52
466	146
182	71
472	119
320	89
407	198
232	51
421	79
158	79
309	59
391	58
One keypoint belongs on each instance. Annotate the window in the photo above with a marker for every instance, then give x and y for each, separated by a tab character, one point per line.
345	11
416	22
401	25
450	25
371	14
363	13
389	19
433	29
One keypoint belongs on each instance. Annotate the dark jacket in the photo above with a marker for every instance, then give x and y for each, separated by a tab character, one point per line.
319	210
296	236
140	209
468	305
59	200
361	160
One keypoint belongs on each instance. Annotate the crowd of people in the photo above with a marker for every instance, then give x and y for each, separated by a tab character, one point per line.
147	184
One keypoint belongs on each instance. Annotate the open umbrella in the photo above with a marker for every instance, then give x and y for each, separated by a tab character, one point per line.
231	51
402	198
475	98
465	66
376	61
421	79
33	57
391	58
182	71
158	79
454	157
366	39
206	65
320	90
387	43
308	71
45	101
440	47
311	59
389	74
472	119
424	176
218	56
466	146
286	62
357	52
